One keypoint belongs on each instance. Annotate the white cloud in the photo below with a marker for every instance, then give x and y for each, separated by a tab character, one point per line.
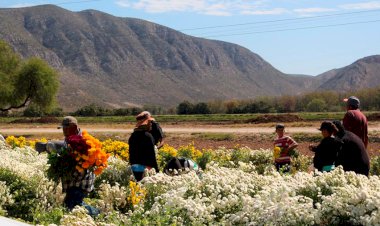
209	7
22	5
313	10
364	5
275	11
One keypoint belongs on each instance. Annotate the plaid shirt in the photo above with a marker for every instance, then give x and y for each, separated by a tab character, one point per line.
84	180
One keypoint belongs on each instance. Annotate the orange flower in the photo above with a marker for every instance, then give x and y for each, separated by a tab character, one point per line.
85	165
79	169
98	171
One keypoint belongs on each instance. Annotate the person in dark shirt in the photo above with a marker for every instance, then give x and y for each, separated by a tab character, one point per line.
353	155
156	131
141	148
326	151
354	120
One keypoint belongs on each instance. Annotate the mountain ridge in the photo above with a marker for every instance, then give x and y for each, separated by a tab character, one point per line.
120	62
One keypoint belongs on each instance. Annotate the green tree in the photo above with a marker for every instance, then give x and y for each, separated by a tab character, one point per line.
185	108
201	108
22	83
316	105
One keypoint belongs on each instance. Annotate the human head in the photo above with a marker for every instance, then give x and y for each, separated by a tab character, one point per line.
328	128
69	126
352	102
144	118
340	127
280	129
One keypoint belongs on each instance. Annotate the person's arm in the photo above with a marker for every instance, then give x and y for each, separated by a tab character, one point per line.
160	134
292	144
347	121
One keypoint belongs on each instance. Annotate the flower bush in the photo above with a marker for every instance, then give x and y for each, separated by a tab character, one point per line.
238	187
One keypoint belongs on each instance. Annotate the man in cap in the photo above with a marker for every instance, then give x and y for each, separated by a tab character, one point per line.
79	184
354	120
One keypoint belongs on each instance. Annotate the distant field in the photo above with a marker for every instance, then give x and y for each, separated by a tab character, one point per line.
217	118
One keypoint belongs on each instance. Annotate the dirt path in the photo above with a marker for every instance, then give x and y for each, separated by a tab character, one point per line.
175	129
250	135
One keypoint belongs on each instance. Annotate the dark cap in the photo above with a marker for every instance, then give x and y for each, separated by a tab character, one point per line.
352	101
280	126
329	126
67	121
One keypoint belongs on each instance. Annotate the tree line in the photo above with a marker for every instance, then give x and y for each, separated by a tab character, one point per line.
31	84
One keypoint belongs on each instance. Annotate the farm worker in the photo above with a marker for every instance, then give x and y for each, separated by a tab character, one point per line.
180	165
283	146
79	184
354	120
157	133
353	156
142	154
326	151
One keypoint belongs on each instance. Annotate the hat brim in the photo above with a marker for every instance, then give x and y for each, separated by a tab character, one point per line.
144	122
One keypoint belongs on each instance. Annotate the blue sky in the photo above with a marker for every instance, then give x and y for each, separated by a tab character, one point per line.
295	36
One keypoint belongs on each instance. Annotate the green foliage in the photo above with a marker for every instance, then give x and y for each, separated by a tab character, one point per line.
22	83
185	108
24	194
206	157
375	166
92	110
43	217
316	105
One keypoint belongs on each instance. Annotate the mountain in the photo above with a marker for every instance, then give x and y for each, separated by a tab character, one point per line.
363	73
119	62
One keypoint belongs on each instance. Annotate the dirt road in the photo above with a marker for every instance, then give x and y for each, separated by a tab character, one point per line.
174	129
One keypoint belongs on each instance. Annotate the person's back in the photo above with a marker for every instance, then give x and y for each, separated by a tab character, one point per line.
141	149
326	153
355	121
353	156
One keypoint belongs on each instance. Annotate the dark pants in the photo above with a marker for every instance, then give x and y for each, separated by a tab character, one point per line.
283	166
74	197
138	175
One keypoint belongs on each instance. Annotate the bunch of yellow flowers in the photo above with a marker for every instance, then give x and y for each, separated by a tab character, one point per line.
117	148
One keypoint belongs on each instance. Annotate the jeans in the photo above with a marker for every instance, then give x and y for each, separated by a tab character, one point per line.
75	196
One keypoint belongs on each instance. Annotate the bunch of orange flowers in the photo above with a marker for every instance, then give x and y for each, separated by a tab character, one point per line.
94	158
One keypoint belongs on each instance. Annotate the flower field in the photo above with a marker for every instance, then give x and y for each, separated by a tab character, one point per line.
236	187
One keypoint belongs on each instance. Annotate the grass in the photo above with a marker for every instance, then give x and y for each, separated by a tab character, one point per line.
211	118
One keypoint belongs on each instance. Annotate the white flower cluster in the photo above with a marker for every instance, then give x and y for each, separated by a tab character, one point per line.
5	196
232	196
78	217
112	197
235	195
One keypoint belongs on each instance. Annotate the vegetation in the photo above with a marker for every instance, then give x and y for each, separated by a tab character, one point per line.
25	82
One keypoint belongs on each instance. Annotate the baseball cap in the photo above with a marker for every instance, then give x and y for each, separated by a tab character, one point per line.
352	101
67	121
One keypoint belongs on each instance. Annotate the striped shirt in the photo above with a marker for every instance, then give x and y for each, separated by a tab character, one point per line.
284	143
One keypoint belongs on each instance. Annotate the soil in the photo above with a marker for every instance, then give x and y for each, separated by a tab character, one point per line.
254	133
